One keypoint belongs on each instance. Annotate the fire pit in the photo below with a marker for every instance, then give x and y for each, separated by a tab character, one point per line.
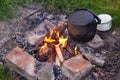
53	55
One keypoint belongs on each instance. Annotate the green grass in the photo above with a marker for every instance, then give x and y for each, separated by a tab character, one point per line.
5	73
111	7
9	8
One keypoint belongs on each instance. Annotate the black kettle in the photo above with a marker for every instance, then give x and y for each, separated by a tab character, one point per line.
82	25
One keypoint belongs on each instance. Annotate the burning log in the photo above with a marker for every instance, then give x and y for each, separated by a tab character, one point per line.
61	27
59	53
51	55
54	38
51	58
51	25
70	50
56	41
88	56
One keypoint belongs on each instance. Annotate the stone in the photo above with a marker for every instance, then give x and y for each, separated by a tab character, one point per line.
33	36
22	62
46	72
76	67
38	34
50	17
96	42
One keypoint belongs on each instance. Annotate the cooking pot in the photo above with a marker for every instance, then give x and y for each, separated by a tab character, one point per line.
82	25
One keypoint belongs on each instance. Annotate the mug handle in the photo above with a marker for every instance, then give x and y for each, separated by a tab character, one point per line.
97	18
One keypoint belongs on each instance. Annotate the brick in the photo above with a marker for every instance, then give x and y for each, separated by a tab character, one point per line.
76	67
22	62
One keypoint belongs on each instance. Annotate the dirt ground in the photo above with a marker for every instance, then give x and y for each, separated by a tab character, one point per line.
111	49
11	32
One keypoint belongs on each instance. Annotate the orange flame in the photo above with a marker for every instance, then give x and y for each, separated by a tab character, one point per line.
43	49
53	38
62	41
49	40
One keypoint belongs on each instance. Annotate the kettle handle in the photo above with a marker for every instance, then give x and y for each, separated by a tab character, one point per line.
98	19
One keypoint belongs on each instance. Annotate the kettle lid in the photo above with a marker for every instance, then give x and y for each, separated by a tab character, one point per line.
81	17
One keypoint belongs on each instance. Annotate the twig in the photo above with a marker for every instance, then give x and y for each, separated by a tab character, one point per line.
33	13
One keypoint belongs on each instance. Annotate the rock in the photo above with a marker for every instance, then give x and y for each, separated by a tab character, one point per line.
21	62
50	17
96	42
38	34
33	36
76	67
46	72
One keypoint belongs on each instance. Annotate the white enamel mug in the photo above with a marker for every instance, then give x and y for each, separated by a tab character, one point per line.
106	22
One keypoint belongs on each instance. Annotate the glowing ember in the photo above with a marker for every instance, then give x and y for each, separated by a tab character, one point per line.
43	49
75	49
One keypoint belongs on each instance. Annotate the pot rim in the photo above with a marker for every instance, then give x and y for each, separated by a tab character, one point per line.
106	22
101	17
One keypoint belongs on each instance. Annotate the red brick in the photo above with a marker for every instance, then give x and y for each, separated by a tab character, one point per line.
76	67
22	62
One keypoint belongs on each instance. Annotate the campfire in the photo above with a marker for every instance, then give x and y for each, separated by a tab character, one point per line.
53	41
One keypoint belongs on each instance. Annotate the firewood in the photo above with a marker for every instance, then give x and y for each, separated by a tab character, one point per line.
59	53
51	25
48	51
61	27
70	50
57	61
51	58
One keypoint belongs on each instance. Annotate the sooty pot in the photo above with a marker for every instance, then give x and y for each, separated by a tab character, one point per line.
82	25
